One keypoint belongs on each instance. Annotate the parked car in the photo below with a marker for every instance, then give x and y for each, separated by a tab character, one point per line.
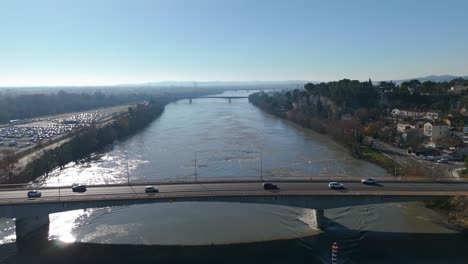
430	158
79	188
442	161
336	185
151	189
34	194
270	186
368	181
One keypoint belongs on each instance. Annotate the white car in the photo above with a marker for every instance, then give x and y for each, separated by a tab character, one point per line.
368	181
151	189
336	185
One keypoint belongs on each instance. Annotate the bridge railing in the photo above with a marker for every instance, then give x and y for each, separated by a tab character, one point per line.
246	179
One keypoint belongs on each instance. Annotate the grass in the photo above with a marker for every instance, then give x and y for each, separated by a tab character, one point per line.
464	173
380	159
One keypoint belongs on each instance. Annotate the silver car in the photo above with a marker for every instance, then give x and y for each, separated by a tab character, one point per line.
368	181
336	185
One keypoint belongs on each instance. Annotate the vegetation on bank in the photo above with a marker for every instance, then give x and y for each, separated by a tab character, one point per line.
15	104
348	111
90	139
455	208
380	159
326	108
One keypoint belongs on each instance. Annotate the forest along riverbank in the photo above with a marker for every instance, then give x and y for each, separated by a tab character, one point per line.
322	115
345	118
79	144
88	140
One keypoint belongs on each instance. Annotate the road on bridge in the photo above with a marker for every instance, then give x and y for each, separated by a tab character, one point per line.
235	189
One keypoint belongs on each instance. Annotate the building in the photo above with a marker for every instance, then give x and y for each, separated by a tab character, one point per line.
432	115
457	89
395	112
402	127
436	131
407	113
347	117
465	135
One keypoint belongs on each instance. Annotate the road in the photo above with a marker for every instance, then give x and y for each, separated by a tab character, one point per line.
430	168
236	189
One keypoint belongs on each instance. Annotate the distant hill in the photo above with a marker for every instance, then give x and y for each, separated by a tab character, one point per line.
434	78
217	83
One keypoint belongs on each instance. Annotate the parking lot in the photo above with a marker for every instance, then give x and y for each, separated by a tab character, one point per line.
22	135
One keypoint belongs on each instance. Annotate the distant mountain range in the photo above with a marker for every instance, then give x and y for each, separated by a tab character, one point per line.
434	78
217	83
288	83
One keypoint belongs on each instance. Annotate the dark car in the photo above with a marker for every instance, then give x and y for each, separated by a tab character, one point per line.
151	189
79	188
270	186
34	194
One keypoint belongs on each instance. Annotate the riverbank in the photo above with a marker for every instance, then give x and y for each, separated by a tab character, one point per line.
345	132
456	210
90	139
379	158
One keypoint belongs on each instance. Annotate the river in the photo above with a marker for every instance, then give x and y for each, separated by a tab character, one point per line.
214	139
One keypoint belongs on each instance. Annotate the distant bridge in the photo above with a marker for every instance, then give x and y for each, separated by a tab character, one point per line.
31	214
218	97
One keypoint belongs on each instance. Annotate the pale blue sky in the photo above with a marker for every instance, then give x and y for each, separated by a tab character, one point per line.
87	42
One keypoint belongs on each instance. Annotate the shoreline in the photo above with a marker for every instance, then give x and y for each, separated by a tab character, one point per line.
456	217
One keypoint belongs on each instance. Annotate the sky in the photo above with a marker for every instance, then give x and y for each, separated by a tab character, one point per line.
105	42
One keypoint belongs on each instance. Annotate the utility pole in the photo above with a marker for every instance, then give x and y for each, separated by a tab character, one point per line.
59	184
195	166
261	166
126	165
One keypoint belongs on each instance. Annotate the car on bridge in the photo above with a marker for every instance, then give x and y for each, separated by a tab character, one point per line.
151	189
34	194
336	185
79	187
270	186
368	181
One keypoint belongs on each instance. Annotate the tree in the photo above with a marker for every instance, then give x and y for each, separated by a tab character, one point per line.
414	138
9	162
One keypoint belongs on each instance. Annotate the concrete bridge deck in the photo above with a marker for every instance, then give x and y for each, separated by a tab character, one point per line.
220	97
32	215
315	195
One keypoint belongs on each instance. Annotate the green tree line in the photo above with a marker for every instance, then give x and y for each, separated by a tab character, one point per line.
92	139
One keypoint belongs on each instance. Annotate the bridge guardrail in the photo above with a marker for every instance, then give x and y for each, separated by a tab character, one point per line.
208	180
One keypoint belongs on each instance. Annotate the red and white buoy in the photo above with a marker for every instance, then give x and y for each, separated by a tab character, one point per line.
334	253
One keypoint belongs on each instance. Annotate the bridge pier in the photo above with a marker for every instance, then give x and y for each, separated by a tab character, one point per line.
229	99
190	100
32	231
320	219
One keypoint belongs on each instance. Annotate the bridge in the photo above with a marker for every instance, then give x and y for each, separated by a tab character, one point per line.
32	214
218	97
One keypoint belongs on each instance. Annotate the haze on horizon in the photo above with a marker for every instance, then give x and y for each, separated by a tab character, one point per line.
61	42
